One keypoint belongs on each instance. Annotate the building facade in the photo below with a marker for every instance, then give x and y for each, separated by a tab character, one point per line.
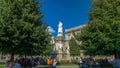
69	33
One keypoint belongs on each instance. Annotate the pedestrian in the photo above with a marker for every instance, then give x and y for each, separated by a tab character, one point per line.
7	64
17	65
84	65
49	62
29	63
81	62
54	63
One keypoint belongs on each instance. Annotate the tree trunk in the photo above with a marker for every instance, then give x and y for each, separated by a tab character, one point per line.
12	56
116	54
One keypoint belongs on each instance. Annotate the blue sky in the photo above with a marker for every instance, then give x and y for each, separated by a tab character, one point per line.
70	12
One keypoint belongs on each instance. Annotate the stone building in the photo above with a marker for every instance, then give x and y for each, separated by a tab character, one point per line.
69	33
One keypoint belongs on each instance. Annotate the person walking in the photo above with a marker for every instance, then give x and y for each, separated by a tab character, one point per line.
17	65
49	62
81	62
54	63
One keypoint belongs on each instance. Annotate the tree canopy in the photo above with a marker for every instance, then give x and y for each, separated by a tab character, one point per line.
22	31
101	34
74	47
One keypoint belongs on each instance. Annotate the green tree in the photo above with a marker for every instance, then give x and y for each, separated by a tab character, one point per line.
74	47
21	30
101	34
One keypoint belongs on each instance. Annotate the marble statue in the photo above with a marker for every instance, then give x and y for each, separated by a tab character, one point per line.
60	27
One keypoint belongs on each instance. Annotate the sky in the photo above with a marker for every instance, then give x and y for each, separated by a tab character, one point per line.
70	12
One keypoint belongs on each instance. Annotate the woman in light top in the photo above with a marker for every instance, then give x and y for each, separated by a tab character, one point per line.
54	63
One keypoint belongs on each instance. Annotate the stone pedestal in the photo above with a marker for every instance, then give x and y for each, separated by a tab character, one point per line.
59	56
68	56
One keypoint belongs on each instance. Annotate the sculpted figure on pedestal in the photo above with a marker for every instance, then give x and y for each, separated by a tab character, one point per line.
60	29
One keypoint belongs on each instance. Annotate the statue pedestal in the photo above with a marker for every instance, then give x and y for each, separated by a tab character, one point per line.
59	56
68	56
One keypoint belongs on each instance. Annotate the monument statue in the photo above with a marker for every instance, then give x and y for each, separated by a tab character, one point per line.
60	29
61	46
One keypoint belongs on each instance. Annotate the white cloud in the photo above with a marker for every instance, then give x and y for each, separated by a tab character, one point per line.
50	29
